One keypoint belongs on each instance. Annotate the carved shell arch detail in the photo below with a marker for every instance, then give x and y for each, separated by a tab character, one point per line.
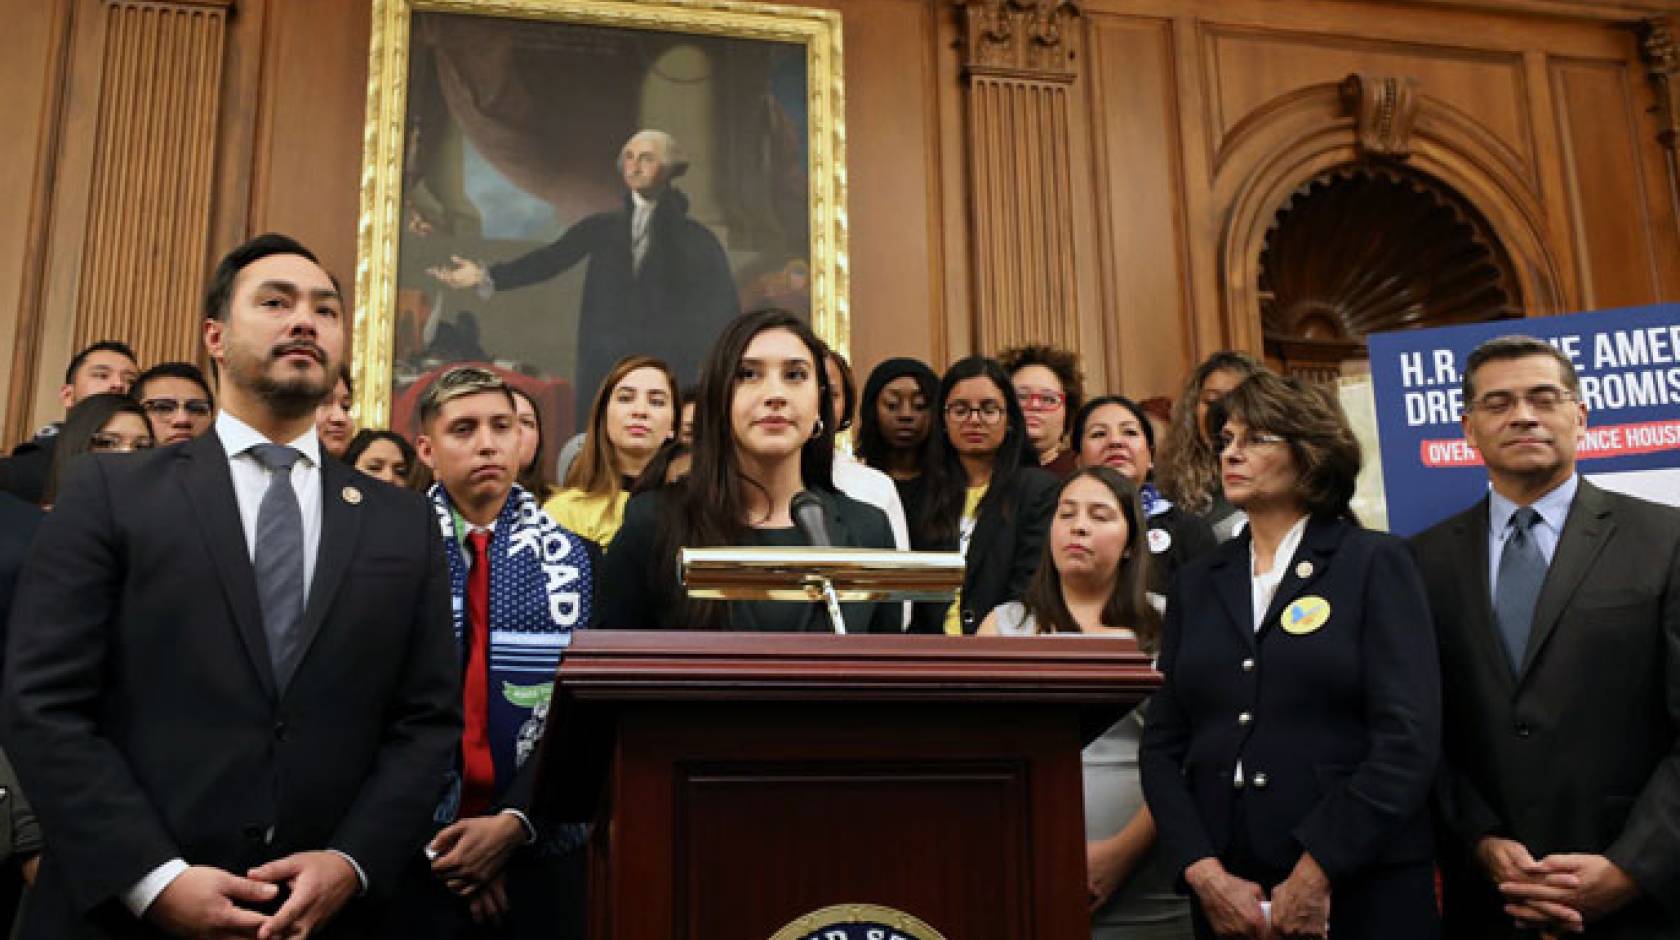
1365	247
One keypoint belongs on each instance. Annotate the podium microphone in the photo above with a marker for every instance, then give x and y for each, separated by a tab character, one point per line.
812	519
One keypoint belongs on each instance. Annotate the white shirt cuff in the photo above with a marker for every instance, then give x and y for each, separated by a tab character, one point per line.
139	898
524	820
361	876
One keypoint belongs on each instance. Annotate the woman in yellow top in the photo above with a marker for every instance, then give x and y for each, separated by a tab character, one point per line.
978	497
634	414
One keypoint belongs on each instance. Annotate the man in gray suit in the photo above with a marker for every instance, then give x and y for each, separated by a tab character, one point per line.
1557	610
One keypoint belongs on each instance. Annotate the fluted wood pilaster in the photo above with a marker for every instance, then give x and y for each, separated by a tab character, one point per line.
143	267
1019	66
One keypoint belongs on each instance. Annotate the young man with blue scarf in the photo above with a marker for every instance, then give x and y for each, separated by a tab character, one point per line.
520	584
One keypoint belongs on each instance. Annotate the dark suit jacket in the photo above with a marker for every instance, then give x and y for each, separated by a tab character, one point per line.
18	522
1581	751
1188	537
1344	721
24	473
141	709
673	308
1003	553
639	591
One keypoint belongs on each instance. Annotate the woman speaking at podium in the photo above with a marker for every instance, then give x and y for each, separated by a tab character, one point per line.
762	435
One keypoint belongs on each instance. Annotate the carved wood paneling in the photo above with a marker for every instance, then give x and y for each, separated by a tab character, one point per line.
1659	48
1383	108
147	235
1613	230
1018	61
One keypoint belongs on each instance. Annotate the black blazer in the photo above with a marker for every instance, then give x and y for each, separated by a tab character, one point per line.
639	591
1184	538
24	473
1003	553
1580	751
18	522
1342	733
142	713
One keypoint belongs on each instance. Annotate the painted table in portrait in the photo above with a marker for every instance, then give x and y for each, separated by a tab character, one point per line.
552	185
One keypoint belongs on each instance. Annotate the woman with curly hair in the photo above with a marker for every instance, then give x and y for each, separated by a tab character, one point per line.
1051	390
1188	472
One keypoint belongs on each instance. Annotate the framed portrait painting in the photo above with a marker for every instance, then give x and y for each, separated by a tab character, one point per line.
551	185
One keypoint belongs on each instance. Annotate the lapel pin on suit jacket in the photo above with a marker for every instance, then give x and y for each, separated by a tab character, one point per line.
351	495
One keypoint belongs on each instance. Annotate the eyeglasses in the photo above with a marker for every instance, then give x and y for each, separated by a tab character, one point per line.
988	412
105	442
1039	399
1248	442
1542	399
166	407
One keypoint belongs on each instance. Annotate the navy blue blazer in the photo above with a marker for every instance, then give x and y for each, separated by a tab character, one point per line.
1338	729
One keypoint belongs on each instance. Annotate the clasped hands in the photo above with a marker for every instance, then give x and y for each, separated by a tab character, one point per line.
1300	903
207	903
1557	894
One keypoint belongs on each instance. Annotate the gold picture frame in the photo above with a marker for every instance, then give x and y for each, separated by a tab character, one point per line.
380	226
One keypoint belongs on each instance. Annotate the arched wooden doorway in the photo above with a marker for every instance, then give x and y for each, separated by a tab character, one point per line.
1373	246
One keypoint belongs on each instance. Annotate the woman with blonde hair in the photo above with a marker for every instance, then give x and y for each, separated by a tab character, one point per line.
634	414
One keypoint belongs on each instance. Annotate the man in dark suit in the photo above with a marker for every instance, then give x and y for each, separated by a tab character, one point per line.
1557	612
658	283
230	685
105	366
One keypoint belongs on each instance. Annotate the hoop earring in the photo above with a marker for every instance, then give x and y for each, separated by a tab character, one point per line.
817	429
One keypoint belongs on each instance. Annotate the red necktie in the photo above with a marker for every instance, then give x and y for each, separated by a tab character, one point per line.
478	783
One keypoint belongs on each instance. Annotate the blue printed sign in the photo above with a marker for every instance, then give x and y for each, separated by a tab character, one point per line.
1629	364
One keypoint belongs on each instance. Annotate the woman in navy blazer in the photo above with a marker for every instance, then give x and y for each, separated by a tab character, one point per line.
1290	751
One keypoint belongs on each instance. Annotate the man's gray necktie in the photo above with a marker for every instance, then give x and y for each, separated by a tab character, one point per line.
279	560
1522	569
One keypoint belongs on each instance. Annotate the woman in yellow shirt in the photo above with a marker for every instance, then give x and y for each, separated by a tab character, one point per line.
979	496
634	414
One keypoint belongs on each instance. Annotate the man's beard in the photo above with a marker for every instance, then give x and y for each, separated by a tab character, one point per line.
291	397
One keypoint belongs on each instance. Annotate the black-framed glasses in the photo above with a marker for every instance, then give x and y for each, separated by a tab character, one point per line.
166	407
988	412
1541	398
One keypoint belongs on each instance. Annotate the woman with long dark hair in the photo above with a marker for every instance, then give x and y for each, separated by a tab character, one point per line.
100	424
633	416
1093	581
759	439
979	496
383	455
1291	750
1113	431
533	475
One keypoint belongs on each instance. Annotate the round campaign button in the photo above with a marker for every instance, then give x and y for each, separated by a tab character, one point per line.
1305	615
1159	540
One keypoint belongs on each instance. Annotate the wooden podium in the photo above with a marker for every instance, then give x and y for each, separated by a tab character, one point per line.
740	781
